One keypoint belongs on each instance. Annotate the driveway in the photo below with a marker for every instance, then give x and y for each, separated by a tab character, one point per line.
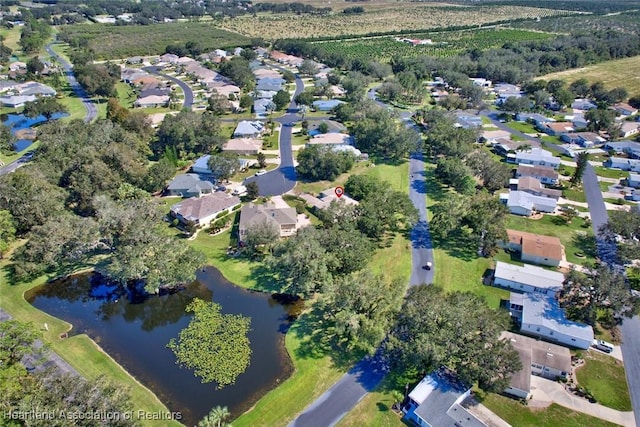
186	89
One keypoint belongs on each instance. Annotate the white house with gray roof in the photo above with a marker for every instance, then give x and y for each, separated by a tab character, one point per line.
189	185
200	211
437	401
527	278
541	316
248	129
537	157
622	164
523	203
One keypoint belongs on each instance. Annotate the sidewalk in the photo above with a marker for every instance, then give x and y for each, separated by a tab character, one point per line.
544	392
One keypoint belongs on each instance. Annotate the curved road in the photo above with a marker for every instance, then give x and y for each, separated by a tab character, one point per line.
186	89
283	179
92	112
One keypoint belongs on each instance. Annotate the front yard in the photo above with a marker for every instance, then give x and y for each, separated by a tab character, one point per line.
604	377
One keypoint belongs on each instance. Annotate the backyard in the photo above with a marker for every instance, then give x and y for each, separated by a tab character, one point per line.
604	376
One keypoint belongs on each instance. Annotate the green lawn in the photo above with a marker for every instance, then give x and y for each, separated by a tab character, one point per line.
575	195
522	127
516	414
611	173
604	376
126	96
6	159
574	237
79	351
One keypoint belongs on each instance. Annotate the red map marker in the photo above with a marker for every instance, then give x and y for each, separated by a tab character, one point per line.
339	191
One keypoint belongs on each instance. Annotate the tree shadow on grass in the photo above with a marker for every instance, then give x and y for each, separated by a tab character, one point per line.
586	243
434	189
458	245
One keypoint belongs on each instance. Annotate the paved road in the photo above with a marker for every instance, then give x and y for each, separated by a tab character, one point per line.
186	89
52	359
335	403
283	179
11	167
88	103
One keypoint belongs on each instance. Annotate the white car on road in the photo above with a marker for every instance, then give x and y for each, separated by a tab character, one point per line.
261	172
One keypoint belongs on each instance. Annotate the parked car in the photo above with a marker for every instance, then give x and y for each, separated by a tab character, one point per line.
261	172
603	346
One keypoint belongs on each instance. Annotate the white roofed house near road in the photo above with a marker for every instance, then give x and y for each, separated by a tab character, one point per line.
523	203
248	129
541	316
527	278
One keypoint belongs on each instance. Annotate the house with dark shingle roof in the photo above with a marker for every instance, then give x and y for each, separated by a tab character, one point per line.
437	401
200	211
284	219
189	185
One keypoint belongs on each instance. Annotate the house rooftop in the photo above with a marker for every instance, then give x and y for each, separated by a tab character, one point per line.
543	310
529	275
242	144
542	171
537	245
192	182
252	214
331	138
438	396
196	208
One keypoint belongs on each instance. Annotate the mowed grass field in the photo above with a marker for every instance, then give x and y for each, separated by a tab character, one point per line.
113	42
618	73
411	16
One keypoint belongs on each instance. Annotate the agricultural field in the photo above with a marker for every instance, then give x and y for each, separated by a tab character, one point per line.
617	73
444	43
113	42
410	17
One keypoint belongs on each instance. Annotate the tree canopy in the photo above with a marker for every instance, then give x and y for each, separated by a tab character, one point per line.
318	162
190	133
214	345
455	330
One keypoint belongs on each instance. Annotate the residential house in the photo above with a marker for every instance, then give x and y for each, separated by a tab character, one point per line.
227	90
628	129
200	211
584	139
129	75
134	60
245	164
583	104
262	107
478	81
492	136
331	139
152	101
437	401
265	94
201	165
326	105
535	248
16	101
17	65
633	180
630	148
359	155
169	58
529	278
525	204
270	84
624	109
537	119
248	129
557	128
541	316
538	358
635	195
284	219
505	91
544	174
189	185
35	88
469	122
537	157
326	197
507	148
247	146
266	73
331	126
578	121
533	186
622	164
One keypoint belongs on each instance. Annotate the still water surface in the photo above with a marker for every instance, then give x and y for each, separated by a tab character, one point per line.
135	329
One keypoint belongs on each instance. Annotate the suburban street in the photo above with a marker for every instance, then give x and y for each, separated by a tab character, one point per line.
92	112
282	179
188	92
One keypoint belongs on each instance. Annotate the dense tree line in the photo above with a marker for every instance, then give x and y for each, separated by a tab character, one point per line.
295	7
34	34
82	200
190	134
49	391
512	63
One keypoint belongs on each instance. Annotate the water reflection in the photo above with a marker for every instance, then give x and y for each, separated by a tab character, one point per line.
135	328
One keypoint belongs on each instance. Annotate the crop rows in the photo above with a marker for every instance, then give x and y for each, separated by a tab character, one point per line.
409	17
445	44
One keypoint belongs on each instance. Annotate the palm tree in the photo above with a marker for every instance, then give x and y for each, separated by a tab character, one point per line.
216	418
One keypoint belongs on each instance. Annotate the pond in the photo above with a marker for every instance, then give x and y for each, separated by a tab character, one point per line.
134	329
19	122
